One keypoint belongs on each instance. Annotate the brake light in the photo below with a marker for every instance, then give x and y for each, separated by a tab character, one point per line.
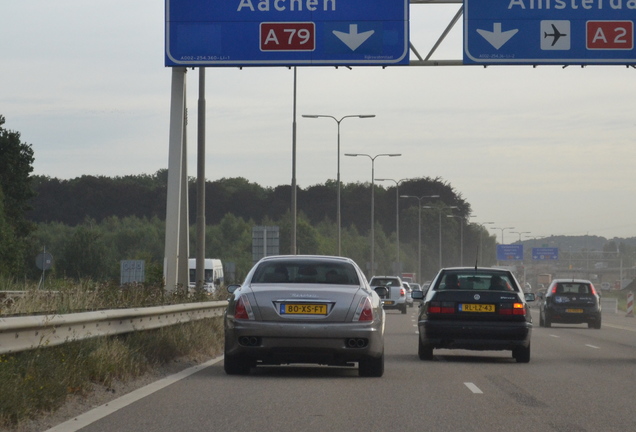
243	309
512	309
402	292
364	311
441	308
593	289
554	288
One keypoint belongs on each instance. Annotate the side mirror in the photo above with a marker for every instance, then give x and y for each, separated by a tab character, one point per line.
232	288
417	295
382	292
530	297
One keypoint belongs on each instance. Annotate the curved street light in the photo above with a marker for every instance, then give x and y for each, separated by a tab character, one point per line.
440	228
397	220
373	158
502	232
419	230
338	121
481	224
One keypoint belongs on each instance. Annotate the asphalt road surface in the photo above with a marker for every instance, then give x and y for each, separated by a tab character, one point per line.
578	379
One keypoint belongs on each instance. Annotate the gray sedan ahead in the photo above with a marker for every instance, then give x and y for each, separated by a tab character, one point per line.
304	309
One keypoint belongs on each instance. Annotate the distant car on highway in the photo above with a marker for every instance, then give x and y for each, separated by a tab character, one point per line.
571	301
477	309
397	293
304	309
409	297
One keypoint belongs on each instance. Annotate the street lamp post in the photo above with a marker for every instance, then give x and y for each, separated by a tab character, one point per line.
397	219
502	232
481	252
440	229
419	229
461	238
519	232
338	121
372	199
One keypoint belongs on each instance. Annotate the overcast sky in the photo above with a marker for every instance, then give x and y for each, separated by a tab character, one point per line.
547	150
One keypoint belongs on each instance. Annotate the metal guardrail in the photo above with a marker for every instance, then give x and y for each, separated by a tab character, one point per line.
25	333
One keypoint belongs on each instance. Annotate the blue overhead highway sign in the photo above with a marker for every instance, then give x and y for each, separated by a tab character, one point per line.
549	32
513	252
286	32
545	253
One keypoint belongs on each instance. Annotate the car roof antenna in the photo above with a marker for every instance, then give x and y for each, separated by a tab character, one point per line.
476	257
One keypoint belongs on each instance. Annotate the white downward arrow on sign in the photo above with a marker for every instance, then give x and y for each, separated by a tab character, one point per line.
496	37
353	39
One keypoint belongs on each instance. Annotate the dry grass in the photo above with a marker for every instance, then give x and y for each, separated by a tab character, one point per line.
38	381
67	296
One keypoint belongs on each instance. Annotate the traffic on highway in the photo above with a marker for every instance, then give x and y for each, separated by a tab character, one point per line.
578	380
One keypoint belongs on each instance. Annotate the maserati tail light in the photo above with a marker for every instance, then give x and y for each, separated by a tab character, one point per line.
243	309
364	312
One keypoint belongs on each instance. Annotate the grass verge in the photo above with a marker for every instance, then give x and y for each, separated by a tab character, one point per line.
39	381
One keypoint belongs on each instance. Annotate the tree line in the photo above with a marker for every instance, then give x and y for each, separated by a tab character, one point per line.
90	223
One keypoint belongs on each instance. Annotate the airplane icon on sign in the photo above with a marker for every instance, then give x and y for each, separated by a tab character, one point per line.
556	35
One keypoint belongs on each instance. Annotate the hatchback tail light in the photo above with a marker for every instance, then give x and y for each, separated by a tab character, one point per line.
243	309
364	312
593	289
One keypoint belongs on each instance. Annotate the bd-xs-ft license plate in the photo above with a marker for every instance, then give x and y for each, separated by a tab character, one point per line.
304	309
574	310
475	307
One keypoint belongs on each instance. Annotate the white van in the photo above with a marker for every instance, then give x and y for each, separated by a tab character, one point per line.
213	274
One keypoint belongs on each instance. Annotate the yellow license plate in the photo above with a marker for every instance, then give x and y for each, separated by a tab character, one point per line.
388	302
304	309
574	310
473	307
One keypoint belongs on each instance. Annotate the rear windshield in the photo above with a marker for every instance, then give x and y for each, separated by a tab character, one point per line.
458	280
306	272
384	282
573	288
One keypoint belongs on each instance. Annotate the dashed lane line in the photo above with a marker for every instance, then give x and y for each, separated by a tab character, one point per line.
473	388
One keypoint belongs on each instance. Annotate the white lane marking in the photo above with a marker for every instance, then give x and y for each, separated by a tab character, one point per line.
473	388
82	420
592	346
554	336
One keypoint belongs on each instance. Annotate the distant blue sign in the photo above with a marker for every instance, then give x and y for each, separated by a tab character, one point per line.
545	253
286	32
512	252
549	32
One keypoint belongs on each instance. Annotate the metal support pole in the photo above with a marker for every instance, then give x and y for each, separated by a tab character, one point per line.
173	199
294	204
200	258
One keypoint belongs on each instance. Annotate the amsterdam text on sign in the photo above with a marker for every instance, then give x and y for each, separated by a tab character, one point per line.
549	32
